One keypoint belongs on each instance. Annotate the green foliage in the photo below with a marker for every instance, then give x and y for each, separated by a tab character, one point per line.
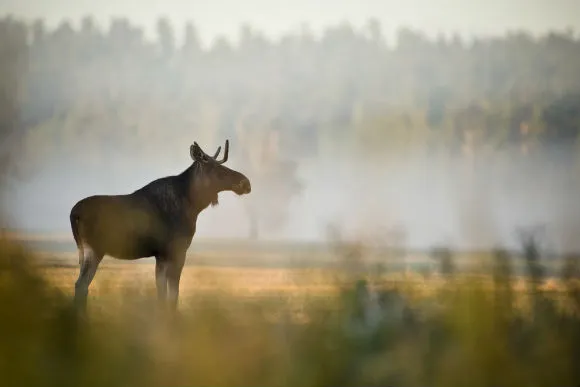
467	333
13	71
562	118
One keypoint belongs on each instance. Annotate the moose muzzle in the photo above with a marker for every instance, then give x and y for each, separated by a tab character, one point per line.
243	187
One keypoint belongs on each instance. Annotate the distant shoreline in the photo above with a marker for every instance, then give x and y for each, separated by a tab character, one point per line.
59	250
31	237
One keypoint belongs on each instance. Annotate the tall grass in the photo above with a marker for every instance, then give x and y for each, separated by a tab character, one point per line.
471	331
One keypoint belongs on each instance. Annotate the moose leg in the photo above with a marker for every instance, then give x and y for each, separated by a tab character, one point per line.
174	269
88	268
161	278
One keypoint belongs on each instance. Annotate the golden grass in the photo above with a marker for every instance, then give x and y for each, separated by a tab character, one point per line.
293	285
464	334
254	279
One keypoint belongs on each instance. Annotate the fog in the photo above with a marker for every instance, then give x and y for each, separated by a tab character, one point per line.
104	109
433	200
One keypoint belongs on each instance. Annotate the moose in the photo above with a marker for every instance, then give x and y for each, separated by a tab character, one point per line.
157	220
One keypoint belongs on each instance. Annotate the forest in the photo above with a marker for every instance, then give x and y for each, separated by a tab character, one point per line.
349	88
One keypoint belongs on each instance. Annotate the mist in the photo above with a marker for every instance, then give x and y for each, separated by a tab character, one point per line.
432	201
428	142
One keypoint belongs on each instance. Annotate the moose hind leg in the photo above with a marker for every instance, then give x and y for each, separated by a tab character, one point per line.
88	268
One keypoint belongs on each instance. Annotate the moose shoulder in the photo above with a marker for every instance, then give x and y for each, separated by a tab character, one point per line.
157	220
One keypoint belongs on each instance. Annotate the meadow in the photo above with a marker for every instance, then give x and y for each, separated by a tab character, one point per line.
354	322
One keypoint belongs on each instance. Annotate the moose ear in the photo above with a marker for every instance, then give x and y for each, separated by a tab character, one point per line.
196	153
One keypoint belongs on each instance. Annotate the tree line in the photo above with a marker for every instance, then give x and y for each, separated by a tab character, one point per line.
109	84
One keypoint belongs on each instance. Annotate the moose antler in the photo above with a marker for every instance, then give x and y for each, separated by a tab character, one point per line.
217	152
226	151
206	156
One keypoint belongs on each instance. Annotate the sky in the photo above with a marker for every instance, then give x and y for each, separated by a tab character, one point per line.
275	17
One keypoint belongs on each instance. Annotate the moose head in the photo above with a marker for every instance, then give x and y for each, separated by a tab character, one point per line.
213	177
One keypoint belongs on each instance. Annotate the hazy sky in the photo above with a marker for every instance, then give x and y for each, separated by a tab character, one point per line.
274	17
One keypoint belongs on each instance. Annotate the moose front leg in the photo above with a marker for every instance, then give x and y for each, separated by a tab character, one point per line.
174	269
161	278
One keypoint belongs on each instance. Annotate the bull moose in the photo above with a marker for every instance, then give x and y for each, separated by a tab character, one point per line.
157	220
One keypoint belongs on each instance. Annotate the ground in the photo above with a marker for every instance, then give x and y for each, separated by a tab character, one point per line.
250	269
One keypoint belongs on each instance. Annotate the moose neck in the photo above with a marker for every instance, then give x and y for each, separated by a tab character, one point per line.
199	196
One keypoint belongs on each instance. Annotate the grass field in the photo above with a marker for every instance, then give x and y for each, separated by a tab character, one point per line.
262	269
306	324
253	270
